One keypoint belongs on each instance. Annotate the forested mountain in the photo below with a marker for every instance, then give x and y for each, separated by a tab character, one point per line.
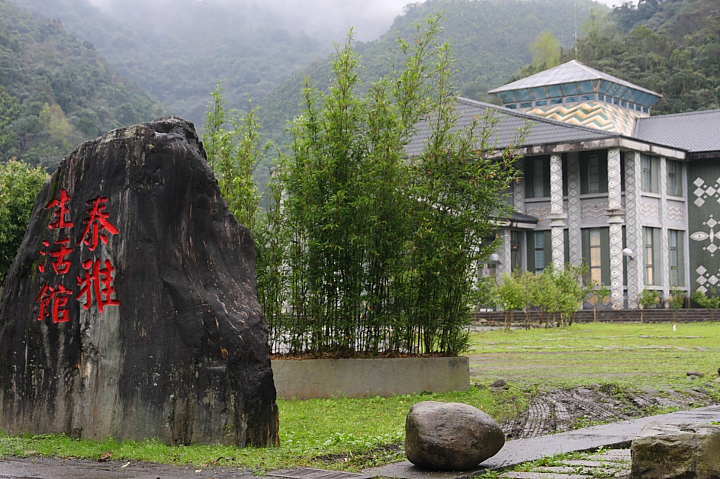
490	41
671	47
55	91
178	50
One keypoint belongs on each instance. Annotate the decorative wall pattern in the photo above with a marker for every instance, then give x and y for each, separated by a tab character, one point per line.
675	212
616	244
574	235
540	212
614	179
632	228
505	254
650	209
593	210
594	115
665	257
519	189
705	280
558	247
556	192
709	233
706	191
616	266
704	225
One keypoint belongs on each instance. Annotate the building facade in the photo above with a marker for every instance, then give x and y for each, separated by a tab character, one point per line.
633	196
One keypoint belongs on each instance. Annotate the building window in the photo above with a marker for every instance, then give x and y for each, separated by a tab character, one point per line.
650	170
651	256
537	177
674	178
676	258
593	172
596	254
515	251
539	250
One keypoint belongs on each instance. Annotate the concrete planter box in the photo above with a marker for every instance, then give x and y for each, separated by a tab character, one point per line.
323	378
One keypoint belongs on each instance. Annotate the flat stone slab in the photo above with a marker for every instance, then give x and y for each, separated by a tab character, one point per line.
591	464
579	470
615	455
313	473
541	475
518	451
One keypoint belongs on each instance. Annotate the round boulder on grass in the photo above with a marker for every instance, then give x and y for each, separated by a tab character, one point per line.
450	436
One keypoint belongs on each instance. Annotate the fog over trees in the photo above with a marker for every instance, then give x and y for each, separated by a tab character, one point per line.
323	20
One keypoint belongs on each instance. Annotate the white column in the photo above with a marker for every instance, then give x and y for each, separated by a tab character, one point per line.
633	185
557	214
573	212
505	253
616	218
664	244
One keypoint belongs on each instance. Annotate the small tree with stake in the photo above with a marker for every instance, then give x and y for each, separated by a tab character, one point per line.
509	296
647	299
676	301
600	295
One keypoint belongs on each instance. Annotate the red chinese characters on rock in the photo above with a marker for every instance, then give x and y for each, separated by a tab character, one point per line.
62	211
98	280
96	286
97	223
53	302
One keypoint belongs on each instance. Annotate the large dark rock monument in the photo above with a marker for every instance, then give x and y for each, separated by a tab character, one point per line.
131	309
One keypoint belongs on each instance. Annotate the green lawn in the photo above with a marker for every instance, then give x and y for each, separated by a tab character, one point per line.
632	355
352	434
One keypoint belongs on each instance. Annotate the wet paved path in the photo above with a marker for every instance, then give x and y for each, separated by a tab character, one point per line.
617	435
613	435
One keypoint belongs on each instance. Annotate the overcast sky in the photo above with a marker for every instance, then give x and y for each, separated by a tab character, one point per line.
371	18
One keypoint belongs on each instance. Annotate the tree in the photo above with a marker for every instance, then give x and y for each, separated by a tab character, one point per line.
572	289
709	302
649	298
20	184
510	296
529	283
676	301
234	154
599	295
546	51
383	251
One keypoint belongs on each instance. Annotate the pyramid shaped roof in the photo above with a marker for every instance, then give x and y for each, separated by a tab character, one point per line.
574	78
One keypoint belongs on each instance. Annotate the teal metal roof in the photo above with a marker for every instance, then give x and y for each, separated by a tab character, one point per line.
572	79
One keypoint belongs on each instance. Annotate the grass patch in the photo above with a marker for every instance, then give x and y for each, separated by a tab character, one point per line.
352	434
348	434
630	355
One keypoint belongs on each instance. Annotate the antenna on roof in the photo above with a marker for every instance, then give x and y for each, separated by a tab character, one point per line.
575	33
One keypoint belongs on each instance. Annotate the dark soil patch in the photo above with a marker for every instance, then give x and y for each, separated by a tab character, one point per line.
563	410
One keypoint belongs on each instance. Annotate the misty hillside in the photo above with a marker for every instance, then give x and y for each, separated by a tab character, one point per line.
56	92
490	42
178	50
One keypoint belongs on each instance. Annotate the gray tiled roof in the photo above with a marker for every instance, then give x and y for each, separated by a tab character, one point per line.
695	132
543	131
572	71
